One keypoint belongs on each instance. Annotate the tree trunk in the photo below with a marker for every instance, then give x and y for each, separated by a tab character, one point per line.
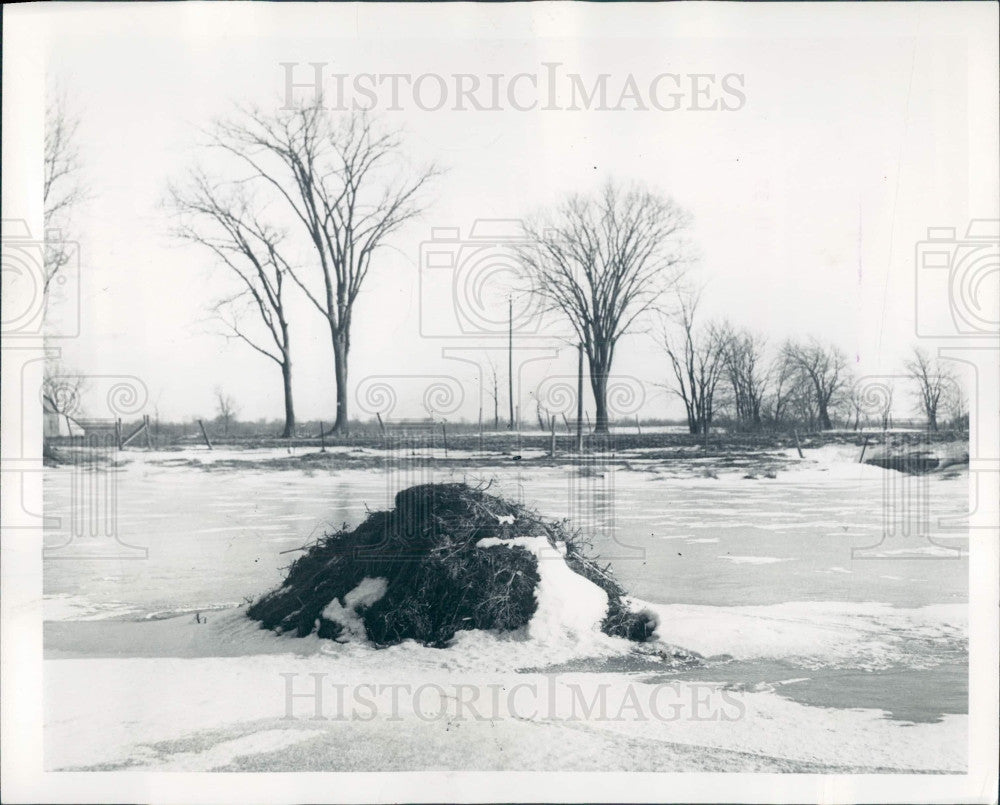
824	418
599	385
340	374
286	376
932	423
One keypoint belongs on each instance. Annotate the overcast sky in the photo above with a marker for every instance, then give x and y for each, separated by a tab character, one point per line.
846	139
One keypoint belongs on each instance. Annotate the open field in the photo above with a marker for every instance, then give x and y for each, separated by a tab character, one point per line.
466	446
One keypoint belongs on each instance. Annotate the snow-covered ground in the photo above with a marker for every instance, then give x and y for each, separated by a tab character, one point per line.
832	631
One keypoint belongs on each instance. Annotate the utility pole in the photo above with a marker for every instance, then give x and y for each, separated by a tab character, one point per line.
579	399
510	357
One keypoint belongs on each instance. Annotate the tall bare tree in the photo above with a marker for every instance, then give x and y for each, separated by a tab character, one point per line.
935	384
223	219
604	260
697	359
62	189
823	369
747	373
339	181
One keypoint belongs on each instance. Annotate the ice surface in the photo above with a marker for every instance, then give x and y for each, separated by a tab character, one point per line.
151	664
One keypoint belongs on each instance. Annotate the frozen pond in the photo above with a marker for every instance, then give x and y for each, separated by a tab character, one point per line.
204	538
837	548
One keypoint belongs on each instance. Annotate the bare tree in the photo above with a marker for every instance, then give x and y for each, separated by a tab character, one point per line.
226	409
542	416
823	369
872	401
494	393
61	392
337	180
603	261
958	407
885	413
934	382
697	359
791	398
62	190
223	219
855	405
743	360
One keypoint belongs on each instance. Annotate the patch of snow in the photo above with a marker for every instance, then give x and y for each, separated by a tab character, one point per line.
224	753
818	633
753	560
570	607
921	552
369	591
78	608
207	712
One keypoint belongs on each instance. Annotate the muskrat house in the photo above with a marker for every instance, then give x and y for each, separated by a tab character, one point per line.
423	572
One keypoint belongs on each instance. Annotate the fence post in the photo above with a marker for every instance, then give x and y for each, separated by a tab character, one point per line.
204	433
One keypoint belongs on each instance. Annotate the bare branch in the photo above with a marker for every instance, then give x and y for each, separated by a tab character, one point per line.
62	190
